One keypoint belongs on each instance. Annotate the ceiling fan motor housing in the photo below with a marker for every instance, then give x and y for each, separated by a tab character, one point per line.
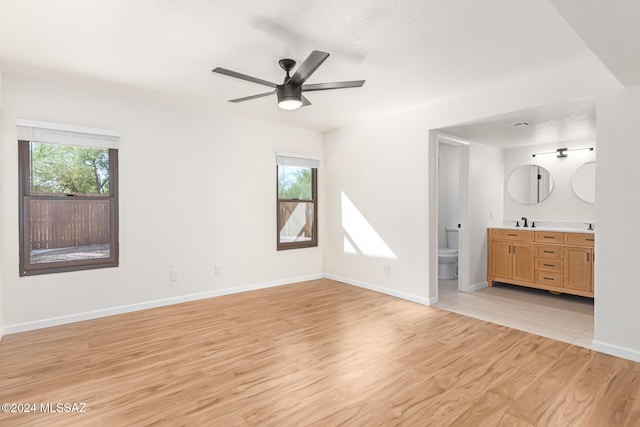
288	93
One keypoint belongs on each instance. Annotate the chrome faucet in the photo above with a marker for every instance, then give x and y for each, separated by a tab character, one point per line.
524	218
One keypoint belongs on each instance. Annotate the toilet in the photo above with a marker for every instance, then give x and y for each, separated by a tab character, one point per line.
448	257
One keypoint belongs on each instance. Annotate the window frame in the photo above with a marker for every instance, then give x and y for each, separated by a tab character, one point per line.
26	268
314	200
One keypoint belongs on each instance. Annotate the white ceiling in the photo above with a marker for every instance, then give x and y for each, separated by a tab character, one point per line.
610	29
410	52
566	121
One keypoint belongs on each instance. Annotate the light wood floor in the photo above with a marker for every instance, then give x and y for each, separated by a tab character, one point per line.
315	353
566	318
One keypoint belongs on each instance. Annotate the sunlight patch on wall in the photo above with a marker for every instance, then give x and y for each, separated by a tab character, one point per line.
361	234
348	247
294	224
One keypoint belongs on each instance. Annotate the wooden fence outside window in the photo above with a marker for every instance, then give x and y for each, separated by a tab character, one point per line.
68	223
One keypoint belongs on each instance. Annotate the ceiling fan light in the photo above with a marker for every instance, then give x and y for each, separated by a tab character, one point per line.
289	97
290	104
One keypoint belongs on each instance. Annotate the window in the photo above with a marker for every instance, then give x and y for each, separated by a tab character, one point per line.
297	202
68	180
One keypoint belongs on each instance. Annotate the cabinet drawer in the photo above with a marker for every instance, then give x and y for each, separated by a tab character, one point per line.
552	265
553	252
513	235
548	278
549	237
581	239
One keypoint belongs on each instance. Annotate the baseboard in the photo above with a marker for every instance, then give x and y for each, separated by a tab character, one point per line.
616	350
89	315
383	290
478	286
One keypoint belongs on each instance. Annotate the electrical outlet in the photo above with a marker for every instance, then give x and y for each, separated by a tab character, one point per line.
387	269
218	270
175	275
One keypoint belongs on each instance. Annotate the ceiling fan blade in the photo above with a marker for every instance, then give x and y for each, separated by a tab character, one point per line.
241	76
247	98
305	101
334	85
304	71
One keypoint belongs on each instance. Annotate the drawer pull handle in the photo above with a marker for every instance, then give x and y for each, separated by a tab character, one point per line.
549	252
548	237
509	234
549	265
547	278
590	240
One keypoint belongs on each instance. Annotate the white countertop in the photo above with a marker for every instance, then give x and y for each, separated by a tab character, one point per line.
536	228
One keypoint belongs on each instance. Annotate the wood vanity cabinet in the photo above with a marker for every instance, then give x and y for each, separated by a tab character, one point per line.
556	261
512	255
578	271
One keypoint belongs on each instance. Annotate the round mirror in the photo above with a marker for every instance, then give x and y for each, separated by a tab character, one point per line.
529	184
583	182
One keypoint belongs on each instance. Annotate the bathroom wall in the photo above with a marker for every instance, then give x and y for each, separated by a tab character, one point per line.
562	205
485	207
448	189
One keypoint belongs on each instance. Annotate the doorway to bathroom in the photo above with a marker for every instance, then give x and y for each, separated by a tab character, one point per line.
451	214
559	137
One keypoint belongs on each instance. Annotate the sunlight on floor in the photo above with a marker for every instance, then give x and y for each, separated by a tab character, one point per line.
561	317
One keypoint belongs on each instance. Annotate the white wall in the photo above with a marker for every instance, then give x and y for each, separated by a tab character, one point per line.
195	190
385	167
562	205
2	236
617	292
448	189
377	166
485	201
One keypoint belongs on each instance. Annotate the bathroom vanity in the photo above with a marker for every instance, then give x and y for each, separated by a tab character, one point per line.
557	261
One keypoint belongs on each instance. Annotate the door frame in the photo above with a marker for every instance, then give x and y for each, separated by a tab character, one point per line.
435	139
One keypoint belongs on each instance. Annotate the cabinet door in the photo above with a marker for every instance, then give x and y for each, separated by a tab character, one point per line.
501	259
523	261
578	268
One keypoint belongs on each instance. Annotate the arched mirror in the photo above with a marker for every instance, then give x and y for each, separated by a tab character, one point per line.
583	182
529	184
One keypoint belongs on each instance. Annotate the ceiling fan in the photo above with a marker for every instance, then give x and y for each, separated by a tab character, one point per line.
290	91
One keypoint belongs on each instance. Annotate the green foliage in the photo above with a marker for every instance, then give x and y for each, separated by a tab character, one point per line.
294	183
68	169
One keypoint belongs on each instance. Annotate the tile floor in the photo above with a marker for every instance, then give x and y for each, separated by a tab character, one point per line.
564	318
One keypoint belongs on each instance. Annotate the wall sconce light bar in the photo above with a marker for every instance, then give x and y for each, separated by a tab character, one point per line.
562	152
